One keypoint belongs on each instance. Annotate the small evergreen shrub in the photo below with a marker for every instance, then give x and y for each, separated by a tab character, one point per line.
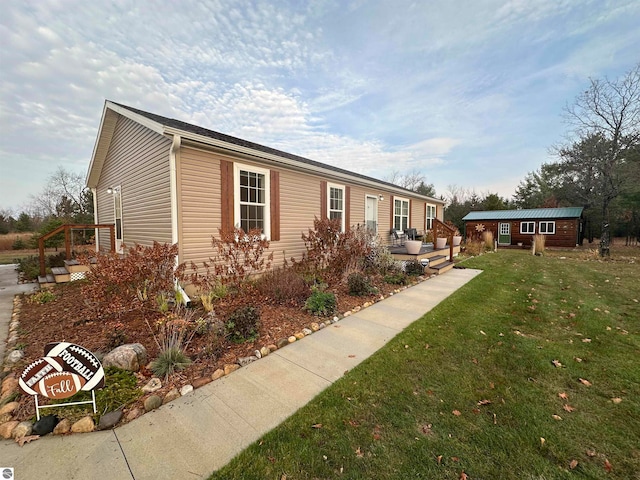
321	303
414	268
19	244
359	284
242	325
396	278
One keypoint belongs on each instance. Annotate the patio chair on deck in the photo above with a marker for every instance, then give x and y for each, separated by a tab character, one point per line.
397	237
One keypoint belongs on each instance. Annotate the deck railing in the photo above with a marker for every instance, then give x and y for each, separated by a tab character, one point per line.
442	230
67	229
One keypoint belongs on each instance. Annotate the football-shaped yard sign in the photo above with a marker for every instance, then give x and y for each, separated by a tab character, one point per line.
65	369
60	385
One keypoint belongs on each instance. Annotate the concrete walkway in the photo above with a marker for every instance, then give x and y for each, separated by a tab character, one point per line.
202	431
9	287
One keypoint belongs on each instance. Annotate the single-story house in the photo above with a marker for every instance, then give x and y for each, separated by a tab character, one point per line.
561	226
160	179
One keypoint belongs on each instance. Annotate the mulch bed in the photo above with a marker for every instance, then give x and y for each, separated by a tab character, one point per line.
68	318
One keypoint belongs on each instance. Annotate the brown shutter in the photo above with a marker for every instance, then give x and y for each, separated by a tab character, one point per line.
392	207
323	199
424	218
275	205
347	208
409	221
226	192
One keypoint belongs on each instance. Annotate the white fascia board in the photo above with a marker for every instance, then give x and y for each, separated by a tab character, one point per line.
150	124
304	167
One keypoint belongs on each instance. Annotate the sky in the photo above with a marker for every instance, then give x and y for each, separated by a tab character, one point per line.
469	94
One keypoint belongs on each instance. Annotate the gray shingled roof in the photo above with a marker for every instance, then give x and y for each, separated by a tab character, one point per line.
188	127
530	214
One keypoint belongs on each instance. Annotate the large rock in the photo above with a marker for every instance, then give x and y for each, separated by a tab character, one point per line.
9	408
9	386
171	396
152	385
153	402
6	429
23	429
84	425
63	427
128	357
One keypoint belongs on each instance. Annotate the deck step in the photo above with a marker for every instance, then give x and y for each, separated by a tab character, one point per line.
46	281
440	268
61	274
437	260
73	266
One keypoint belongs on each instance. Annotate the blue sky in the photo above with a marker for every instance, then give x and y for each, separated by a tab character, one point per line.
468	93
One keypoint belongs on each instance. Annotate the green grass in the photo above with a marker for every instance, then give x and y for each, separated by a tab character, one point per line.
493	340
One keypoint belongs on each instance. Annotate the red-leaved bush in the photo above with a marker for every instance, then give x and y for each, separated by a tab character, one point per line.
332	252
117	284
237	256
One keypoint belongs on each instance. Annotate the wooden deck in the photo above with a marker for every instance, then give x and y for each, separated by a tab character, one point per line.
439	261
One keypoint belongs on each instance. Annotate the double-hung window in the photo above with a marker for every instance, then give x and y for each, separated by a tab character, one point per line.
251	209
547	228
431	214
400	214
336	203
528	227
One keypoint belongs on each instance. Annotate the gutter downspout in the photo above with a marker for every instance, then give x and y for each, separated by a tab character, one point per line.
94	194
181	295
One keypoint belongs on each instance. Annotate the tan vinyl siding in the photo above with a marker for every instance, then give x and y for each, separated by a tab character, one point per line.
417	215
200	203
138	162
356	216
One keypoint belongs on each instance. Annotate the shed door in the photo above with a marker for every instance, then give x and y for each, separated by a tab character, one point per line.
504	234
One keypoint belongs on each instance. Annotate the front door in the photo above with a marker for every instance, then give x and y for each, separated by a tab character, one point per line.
504	234
371	213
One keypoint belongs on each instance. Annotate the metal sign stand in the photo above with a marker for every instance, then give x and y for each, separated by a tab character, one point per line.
68	404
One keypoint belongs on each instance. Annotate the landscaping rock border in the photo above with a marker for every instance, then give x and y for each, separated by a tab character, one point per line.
10	428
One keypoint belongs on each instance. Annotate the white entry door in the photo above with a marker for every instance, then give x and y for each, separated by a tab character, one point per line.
371	213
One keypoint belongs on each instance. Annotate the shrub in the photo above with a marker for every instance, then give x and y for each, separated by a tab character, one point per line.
135	282
539	242
414	268
321	303
473	247
487	238
19	244
173	338
283	285
238	255
208	299
328	249
396	278
43	296
359	284
242	325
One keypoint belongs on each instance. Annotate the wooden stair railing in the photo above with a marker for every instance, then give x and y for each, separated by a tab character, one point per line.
67	228
442	230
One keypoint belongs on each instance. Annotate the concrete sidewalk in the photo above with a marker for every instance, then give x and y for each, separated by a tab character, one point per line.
202	431
9	287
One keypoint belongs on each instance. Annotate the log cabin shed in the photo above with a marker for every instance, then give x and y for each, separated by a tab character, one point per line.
161	179
561	226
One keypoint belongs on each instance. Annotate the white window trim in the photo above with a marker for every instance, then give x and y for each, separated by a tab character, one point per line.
547	223
237	167
117	195
427	217
529	224
401	199
344	203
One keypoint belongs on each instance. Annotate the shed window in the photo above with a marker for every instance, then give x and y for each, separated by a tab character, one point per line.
527	227
547	228
251	209
400	214
336	200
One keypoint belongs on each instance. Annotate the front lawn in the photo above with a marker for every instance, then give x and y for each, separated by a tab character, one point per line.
531	371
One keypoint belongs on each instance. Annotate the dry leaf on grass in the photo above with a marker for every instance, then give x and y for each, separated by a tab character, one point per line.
542	441
573	464
439	459
456	413
556	417
563	396
316	425
556	363
484	402
586	340
585	382
464	476
616	400
591	453
607	465
568	408
359	453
